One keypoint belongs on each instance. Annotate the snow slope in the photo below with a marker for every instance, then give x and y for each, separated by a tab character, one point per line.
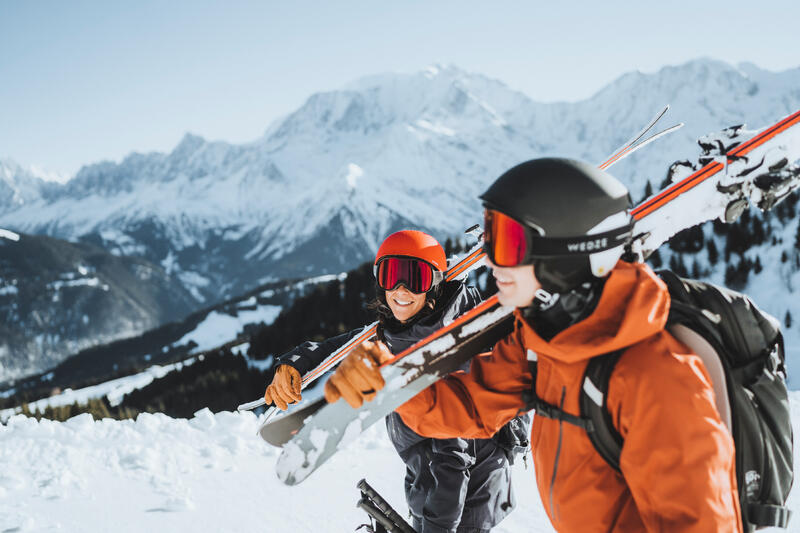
207	474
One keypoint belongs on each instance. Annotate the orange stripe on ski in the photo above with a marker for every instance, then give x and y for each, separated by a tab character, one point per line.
614	158
768	134
712	168
466	317
353	343
464	264
676	190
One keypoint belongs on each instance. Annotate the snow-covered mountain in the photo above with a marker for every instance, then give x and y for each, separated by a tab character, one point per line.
19	185
323	186
57	298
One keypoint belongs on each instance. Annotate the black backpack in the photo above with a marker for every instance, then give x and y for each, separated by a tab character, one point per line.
742	348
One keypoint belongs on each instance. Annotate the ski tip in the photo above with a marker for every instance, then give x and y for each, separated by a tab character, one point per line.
249	406
294	465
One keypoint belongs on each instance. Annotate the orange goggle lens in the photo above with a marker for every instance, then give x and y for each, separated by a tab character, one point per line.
505	239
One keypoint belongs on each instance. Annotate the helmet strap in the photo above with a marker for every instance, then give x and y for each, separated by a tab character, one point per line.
565	309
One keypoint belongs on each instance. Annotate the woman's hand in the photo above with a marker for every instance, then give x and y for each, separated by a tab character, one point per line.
358	377
285	387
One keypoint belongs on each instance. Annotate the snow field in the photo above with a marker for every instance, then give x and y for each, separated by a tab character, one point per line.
208	474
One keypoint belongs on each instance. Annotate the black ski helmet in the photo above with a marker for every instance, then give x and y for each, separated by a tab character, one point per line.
563	201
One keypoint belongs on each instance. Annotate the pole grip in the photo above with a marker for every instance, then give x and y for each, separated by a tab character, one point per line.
367	490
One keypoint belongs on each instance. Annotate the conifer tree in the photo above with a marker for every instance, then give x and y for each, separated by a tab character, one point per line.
713	253
797	239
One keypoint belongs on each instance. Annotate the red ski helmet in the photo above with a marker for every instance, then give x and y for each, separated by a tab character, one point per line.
413	243
411	258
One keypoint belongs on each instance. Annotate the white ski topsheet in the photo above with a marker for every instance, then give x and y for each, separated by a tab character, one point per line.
208	474
704	203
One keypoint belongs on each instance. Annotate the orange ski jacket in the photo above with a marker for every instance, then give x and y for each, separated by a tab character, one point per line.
677	462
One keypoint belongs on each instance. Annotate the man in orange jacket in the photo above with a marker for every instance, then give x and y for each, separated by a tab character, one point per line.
555	231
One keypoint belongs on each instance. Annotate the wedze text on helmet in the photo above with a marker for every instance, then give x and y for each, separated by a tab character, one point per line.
588	246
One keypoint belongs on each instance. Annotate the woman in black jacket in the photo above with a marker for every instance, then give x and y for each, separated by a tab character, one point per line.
451	485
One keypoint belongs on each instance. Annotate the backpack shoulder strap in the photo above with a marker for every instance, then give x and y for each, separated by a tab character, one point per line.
548	410
593	399
594	393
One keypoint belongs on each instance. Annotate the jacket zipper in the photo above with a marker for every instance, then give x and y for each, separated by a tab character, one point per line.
558	453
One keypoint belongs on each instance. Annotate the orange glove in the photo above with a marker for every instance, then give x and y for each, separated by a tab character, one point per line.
358	377
285	387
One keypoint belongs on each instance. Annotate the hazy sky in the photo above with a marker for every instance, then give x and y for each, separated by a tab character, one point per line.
84	81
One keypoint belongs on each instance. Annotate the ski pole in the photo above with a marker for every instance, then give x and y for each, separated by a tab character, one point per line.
379	517
384	507
249	406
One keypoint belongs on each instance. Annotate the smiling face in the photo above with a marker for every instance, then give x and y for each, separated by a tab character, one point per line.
516	286
404	303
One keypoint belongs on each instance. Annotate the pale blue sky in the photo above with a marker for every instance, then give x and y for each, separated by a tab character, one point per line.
82	81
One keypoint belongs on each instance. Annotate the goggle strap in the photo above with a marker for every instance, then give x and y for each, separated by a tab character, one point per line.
581	245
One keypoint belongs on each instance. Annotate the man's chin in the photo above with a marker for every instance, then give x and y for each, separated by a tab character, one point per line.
506	299
513	300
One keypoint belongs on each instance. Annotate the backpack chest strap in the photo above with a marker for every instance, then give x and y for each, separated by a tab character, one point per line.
594	418
549	410
553	412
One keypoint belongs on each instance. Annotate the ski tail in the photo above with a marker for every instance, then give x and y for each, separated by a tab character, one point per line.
379	509
631	149
636	141
626	147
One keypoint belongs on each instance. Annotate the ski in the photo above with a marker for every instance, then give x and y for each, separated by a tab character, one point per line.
759	170
282	429
333	426
631	149
736	170
633	143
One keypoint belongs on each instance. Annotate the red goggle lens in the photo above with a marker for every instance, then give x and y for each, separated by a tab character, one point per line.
416	275
504	239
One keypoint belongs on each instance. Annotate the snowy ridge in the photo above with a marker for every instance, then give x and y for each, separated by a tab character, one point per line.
326	183
210	473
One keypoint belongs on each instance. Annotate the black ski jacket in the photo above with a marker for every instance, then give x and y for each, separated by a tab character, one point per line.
450	484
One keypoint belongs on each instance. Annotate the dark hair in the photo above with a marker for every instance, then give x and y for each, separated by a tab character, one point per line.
386	319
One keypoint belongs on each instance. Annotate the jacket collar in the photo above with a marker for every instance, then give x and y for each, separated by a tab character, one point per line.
633	306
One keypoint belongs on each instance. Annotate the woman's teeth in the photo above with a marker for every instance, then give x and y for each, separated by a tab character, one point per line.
402	302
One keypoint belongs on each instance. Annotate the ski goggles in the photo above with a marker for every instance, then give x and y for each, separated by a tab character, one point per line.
417	275
509	243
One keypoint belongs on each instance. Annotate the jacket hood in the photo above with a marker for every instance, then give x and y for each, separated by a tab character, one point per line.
633	306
